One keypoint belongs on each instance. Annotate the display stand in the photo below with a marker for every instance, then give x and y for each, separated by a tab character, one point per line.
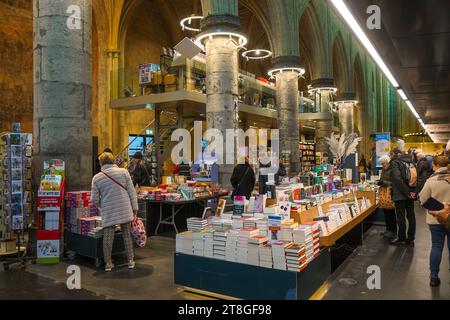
50	212
15	194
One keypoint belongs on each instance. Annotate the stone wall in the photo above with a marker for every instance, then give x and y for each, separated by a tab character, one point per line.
16	64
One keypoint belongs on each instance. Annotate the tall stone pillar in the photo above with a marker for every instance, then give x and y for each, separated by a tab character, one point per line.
324	89
222	71
62	88
346	121
286	68
288	122
346	117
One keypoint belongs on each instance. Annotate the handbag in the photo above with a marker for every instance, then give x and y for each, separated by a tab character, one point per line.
385	198
138	232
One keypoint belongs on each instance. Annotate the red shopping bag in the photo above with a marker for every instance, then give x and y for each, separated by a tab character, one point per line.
138	232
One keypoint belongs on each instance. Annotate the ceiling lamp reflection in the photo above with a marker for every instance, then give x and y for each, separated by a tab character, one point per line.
186	23
257	54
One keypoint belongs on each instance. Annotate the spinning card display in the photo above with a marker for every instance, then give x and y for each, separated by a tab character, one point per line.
15	173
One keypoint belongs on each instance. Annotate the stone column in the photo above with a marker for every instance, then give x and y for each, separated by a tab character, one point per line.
62	88
288	122
324	128
346	121
346	105
222	93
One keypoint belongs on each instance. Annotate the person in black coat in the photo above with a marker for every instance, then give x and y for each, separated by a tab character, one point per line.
424	169
140	173
403	196
263	179
243	180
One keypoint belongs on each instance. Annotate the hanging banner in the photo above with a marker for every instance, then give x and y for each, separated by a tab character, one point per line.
383	146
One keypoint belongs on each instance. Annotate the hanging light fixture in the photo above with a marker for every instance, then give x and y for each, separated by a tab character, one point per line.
186	23
256	54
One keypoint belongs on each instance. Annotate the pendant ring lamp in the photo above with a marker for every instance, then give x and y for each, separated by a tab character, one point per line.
186	23
256	54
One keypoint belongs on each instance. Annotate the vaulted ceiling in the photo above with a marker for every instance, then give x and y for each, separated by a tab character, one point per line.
414	42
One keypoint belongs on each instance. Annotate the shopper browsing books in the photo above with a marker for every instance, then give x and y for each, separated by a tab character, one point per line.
243	180
424	168
113	192
385	184
437	189
139	172
403	194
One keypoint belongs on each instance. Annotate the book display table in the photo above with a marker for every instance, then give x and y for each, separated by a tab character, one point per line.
244	281
221	278
176	207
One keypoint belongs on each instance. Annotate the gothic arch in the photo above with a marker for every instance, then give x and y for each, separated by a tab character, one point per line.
311	35
341	66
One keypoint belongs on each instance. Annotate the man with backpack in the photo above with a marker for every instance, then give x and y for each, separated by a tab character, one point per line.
404	184
424	168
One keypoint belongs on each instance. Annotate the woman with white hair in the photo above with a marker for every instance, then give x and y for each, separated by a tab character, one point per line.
424	168
113	192
385	184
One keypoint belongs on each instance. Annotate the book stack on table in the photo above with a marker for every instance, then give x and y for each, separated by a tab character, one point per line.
231	248
265	256
254	244
279	254
199	243
287	228
196	224
209	246
242	243
296	257
185	242
219	243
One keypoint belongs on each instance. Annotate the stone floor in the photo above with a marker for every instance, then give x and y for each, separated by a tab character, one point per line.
404	275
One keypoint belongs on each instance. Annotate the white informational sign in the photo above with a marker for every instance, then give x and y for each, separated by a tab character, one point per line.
383	146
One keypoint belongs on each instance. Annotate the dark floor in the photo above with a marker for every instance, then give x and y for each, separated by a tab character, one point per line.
404	274
404	271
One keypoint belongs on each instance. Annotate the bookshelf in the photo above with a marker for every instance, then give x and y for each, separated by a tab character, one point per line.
307	151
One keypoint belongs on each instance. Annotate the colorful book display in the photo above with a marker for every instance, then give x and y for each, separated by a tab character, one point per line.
50	211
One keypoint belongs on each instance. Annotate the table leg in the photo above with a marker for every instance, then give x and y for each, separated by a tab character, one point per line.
160	219
173	218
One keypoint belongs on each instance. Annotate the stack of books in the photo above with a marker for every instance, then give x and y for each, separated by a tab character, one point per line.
315	229
296	259
262	225
238	222
265	256
230	253
250	223
254	244
303	235
196	224
221	223
279	254
242	244
219	243
287	228
199	243
274	226
185	242
208	245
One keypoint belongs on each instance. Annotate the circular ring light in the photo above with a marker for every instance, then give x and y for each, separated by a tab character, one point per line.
332	90
188	21
240	39
299	71
257	54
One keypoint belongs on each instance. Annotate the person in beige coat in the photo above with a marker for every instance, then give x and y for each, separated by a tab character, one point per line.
437	187
113	192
